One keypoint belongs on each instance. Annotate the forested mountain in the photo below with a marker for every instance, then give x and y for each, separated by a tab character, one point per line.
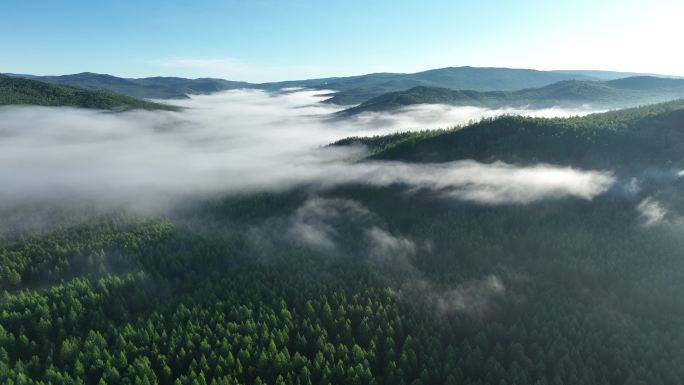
348	90
356	89
33	92
418	288
153	87
629	139
570	93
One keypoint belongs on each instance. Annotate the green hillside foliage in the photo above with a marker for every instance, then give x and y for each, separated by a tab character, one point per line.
649	135
561	291
153	87
159	303
32	92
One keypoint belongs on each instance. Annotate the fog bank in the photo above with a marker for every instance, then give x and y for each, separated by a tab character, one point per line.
244	141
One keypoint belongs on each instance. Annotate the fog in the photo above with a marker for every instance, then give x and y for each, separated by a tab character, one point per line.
325	225
245	141
441	116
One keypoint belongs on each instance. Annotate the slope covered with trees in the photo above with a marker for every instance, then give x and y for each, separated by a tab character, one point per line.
628	139
220	291
153	87
33	92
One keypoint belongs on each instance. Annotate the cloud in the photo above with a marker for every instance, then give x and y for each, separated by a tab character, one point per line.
388	248
442	115
473	297
651	212
238	142
235	69
229	68
325	226
314	222
495	183
344	229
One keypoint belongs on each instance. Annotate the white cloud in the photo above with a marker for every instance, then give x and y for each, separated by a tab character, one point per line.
234	69
228	68
474	297
388	248
651	211
441	115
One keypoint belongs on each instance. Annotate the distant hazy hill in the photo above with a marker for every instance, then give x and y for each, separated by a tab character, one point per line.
638	137
356	89
33	92
609	75
154	87
346	90
569	93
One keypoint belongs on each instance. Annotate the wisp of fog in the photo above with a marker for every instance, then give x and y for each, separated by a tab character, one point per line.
243	141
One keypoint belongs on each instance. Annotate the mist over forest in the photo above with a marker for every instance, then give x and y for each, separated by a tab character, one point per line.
341	193
430	244
233	142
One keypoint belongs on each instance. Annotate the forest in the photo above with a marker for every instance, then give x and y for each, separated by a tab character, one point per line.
19	91
361	284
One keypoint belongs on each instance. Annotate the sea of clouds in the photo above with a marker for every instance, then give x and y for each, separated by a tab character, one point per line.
244	141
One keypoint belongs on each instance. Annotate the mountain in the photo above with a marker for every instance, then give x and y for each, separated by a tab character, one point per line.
343	90
610	75
356	89
153	87
34	92
569	93
635	138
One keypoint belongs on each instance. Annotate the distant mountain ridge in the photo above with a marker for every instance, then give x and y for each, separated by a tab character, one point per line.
357	89
612	75
20	91
568	93
345	90
152	88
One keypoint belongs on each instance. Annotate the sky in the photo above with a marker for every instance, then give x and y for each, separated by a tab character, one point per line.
270	40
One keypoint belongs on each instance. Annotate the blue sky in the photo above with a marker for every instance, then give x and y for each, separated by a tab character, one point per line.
265	40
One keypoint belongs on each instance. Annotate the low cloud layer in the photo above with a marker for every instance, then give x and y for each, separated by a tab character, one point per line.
651	212
441	116
494	183
325	226
242	141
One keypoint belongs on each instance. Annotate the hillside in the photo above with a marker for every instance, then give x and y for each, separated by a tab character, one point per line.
153	87
570	93
346	90
365	284
33	92
356	89
649	136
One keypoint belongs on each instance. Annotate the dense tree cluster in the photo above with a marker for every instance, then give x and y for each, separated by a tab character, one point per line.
33	92
625	139
194	310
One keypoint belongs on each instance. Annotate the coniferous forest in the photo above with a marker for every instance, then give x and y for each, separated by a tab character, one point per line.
369	284
353	192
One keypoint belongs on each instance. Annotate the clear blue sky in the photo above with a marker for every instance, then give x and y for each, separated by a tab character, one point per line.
263	40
